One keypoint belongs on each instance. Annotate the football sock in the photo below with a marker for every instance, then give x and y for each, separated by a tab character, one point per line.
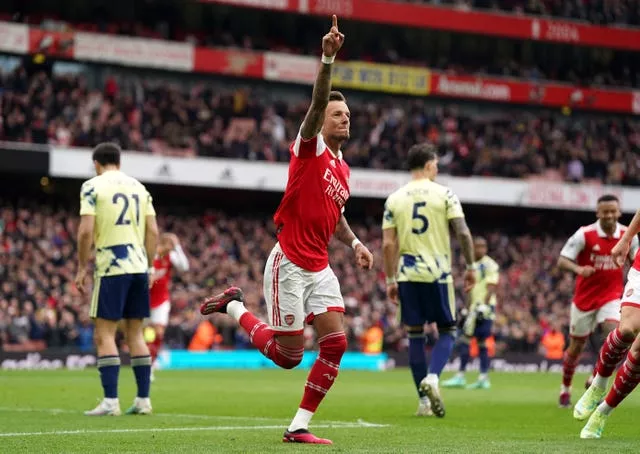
463	349
569	364
626	381
612	352
417	359
441	352
141	366
322	375
109	368
264	339
485	361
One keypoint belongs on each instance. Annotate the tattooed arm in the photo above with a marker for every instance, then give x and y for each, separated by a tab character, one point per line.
465	239
331	44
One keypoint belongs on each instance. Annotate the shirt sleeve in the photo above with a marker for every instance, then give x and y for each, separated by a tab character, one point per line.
88	199
150	210
633	249
179	259
454	207
388	219
492	274
308	148
574	246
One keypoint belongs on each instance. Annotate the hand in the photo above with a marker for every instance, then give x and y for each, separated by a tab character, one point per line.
174	239
469	280
332	41
620	252
586	271
392	292
364	258
81	276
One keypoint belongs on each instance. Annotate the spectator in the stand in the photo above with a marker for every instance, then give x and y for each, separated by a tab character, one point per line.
246	125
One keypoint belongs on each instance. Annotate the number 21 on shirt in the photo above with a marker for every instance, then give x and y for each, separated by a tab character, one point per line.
120	198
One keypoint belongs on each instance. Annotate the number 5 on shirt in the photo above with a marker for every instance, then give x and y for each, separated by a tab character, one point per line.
421	218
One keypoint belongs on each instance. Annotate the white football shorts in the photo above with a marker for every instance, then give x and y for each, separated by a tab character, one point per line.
584	323
160	315
295	295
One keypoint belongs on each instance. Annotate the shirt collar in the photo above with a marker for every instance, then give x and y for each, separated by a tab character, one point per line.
603	234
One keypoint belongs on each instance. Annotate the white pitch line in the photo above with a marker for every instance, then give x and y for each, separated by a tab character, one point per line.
362	425
54	411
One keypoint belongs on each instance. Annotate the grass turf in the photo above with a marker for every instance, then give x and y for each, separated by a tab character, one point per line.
247	411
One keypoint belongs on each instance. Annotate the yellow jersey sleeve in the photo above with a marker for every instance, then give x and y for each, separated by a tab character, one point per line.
492	275
454	207
149	208
388	219
88	198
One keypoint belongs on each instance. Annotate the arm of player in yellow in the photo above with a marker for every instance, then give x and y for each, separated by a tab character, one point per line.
85	239
390	252
151	237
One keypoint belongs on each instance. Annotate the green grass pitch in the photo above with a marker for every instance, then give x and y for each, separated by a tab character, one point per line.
247	411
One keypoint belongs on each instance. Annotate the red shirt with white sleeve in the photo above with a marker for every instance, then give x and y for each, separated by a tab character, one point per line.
313	201
162	270
591	246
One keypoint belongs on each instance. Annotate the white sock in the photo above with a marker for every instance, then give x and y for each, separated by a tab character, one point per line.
604	408
565	389
433	379
483	377
236	309
460	375
600	382
300	420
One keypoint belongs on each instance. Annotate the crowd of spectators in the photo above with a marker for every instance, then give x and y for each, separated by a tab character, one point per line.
215	121
40	306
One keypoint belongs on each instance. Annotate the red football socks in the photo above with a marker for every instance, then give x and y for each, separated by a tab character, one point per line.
612	352
263	338
324	370
626	380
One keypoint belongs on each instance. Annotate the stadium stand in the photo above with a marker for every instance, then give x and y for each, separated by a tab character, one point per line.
211	120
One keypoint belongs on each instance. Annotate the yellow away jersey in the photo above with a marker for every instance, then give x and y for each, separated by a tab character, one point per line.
487	272
420	212
120	205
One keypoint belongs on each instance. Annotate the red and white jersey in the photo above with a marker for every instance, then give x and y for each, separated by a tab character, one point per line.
591	246
314	199
163	270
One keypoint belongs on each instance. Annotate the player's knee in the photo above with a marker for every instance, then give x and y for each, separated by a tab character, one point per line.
629	329
576	345
333	346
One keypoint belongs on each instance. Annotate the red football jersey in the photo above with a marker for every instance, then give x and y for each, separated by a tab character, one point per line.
314	199
160	290
591	246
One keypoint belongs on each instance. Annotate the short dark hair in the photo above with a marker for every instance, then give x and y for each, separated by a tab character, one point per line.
335	95
420	154
107	153
608	198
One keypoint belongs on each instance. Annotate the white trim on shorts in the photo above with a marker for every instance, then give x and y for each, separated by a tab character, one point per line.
160	315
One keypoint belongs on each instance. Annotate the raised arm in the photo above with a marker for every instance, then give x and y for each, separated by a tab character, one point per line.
331	44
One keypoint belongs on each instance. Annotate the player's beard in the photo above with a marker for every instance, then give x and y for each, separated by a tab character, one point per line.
340	136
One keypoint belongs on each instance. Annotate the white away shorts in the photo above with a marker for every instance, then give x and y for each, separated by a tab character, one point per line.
160	315
294	295
583	323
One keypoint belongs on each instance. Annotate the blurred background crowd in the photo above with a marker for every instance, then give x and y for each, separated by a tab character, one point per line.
40	305
246	122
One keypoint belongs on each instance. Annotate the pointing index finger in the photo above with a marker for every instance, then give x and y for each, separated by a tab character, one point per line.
334	20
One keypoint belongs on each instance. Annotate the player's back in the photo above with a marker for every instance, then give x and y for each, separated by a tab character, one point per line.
420	212
120	205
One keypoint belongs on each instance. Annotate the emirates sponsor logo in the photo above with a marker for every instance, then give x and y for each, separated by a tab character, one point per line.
477	88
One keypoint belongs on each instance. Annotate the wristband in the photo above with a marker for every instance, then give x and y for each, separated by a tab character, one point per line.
328	60
390	280
355	242
471	267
